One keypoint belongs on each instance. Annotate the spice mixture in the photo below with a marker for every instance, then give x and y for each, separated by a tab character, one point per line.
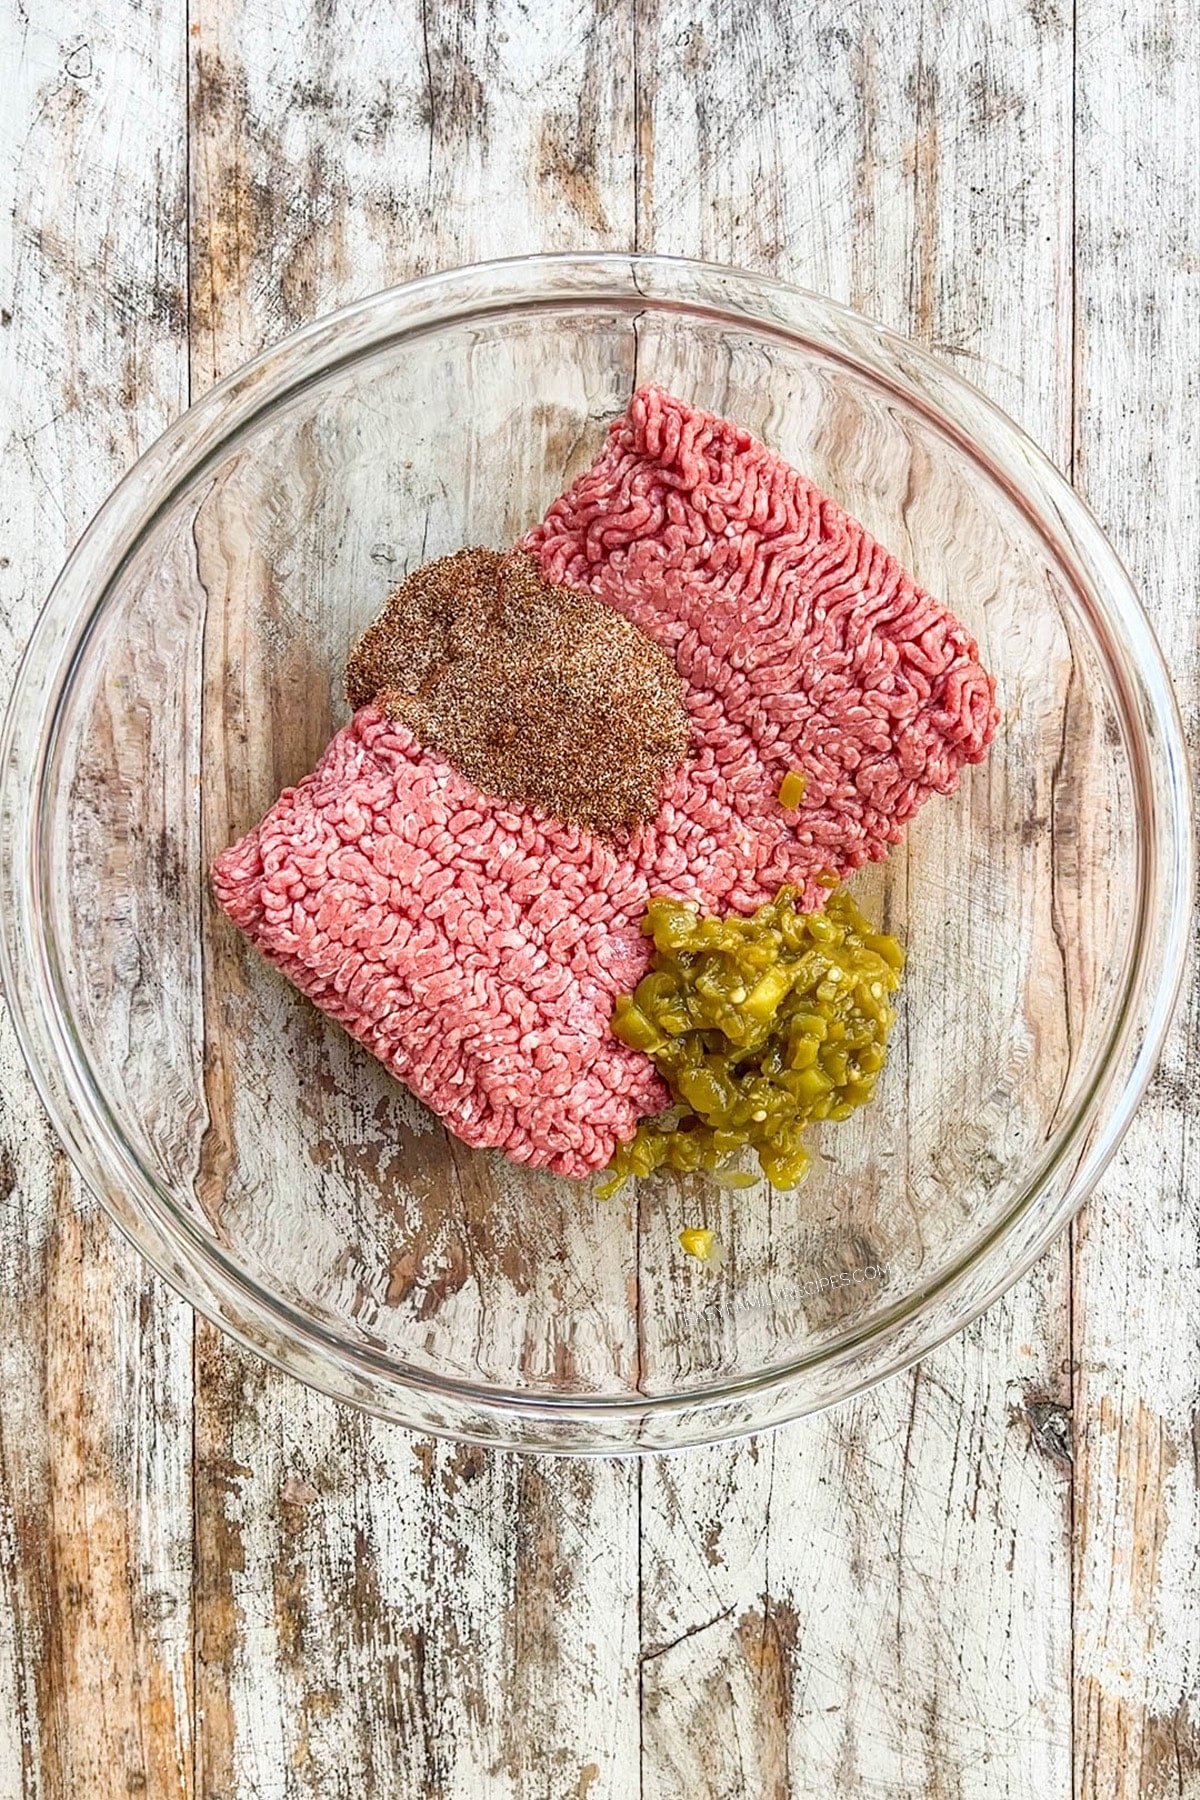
533	692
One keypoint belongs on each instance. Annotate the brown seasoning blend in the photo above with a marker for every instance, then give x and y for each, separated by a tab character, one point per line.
534	692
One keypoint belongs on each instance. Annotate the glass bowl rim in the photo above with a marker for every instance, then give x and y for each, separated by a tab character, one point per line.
172	1241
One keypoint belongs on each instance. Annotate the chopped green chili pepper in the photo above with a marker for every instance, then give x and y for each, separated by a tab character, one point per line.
792	789
759	1026
698	1243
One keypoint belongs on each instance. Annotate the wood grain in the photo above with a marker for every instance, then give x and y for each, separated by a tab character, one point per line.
95	1356
890	1642
374	1615
976	1582
1137	1322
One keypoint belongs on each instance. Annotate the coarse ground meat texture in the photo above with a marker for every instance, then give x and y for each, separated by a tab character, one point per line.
476	948
476	945
803	645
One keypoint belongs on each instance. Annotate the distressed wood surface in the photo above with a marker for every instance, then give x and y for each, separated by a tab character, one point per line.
96	1536
977	1581
491	1641
886	1589
1137	1245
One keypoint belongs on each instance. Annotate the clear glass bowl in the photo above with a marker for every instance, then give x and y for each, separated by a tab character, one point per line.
188	666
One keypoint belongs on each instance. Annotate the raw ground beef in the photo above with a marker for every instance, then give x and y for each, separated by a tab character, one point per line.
476	946
803	645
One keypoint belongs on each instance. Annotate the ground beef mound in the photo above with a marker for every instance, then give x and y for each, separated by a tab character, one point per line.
803	644
477	946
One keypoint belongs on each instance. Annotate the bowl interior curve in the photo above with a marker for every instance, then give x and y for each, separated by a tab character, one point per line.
275	1169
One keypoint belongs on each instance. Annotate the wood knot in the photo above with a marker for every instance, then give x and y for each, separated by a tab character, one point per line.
1051	1430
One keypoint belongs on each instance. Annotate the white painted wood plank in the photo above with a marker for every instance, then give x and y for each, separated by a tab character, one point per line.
871	1602
95	1356
377	1614
1137	1271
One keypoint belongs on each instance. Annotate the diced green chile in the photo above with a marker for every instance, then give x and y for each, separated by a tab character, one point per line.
759	1026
